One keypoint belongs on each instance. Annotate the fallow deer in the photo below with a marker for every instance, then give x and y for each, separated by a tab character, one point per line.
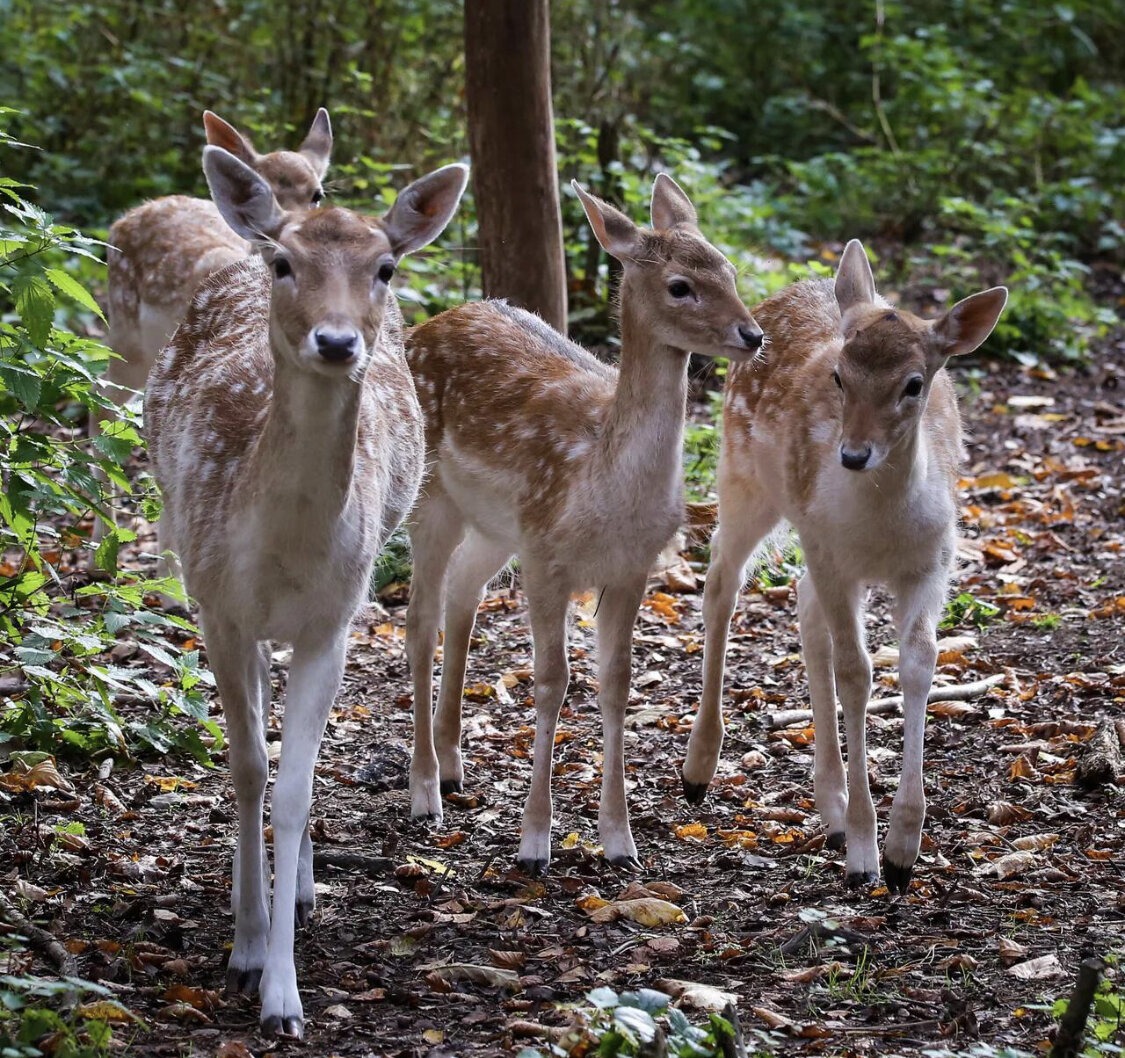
160	251
847	427
537	449
287	440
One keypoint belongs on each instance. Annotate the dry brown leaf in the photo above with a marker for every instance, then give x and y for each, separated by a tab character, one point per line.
1012	864
645	912
691	831
508	960
45	774
1004	813
1040	969
1034	842
773	1018
492	976
695	995
182	1012
1010	950
1022	768
234	1049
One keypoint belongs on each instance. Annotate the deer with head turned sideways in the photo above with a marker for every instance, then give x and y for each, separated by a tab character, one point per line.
287	441
160	251
847	427
537	449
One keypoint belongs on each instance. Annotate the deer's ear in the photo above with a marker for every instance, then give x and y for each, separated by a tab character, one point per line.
617	234
424	208
855	285
244	199
317	146
670	204
223	134
965	326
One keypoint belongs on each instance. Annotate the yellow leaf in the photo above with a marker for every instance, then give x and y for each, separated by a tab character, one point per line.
691	832
591	902
433	1036
105	1010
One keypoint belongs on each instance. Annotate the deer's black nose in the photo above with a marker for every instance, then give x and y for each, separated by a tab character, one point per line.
855	459
336	346
751	336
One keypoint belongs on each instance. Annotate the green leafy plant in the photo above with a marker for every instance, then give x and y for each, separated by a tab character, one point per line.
639	1023
69	1018
966	609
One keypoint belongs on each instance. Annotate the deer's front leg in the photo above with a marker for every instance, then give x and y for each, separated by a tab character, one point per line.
829	781
617	612
314	679
233	659
916	615
547	605
841	603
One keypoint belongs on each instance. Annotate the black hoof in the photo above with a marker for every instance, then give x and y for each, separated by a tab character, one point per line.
627	863
898	878
694	792
858	879
533	868
243	982
836	841
449	786
304	911
276	1026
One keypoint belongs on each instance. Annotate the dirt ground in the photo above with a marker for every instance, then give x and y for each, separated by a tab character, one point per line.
1021	870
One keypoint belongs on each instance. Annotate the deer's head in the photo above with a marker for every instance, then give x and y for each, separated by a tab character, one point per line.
675	280
331	268
889	359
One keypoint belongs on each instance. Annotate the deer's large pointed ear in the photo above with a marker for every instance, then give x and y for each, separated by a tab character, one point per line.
223	134
670	204
424	208
317	146
855	285
244	199
965	326
617	234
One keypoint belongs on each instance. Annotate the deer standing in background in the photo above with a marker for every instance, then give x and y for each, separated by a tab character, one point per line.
159	252
537	449
848	428
287	440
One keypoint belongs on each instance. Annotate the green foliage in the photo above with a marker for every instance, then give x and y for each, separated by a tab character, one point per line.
56	621
966	609
637	1024
1105	1027
40	1017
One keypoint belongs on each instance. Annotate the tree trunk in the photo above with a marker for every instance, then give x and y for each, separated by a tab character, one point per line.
512	139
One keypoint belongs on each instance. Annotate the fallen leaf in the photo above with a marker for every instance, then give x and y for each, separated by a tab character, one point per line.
1034	842
234	1049
1037	969
1012	864
1010	950
493	976
1004	813
695	995
105	1010
645	911
691	832
433	1036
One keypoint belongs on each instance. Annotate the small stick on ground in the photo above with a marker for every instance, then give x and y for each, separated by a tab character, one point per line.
957	693
372	866
1072	1027
47	942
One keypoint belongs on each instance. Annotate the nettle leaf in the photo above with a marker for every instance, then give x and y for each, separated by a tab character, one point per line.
36	306
24	384
70	286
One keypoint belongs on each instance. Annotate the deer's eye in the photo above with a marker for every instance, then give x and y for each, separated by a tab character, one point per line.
836	379
282	268
679	289
913	386
317	197
386	271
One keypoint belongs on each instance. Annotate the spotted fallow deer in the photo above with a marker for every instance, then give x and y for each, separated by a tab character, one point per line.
287	440
847	427
537	449
160	251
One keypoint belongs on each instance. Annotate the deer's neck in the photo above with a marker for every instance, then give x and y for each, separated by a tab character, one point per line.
307	451
645	426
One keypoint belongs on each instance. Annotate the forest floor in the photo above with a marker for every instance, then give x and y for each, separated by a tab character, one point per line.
1020	878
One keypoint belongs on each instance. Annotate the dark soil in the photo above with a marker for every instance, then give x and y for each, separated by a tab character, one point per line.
145	904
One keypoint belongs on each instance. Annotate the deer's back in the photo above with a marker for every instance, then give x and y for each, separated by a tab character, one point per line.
160	252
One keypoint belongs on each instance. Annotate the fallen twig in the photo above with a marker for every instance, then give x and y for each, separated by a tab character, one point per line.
956	693
1072	1027
62	959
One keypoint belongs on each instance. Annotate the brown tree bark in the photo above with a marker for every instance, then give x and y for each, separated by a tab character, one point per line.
512	140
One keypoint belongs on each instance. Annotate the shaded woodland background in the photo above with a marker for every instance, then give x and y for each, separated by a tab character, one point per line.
968	142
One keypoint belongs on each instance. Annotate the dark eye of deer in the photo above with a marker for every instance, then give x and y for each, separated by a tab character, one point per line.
679	289
282	268
836	379
385	273
318	197
913	387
